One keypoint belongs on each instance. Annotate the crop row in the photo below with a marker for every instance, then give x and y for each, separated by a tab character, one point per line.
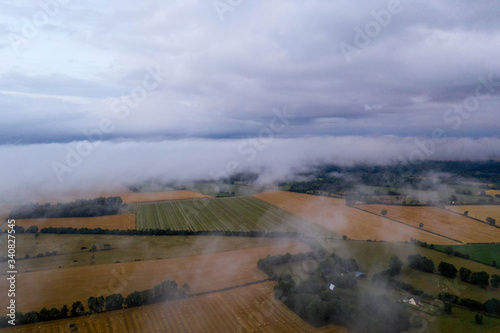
228	214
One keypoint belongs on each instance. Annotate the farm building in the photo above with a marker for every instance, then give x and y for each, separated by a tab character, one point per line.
359	275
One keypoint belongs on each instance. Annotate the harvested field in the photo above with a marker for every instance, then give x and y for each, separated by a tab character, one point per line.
161	196
228	214
440	221
480	212
54	288
122	222
243	309
73	249
493	192
355	224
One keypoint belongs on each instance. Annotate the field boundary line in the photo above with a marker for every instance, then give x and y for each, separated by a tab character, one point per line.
412	226
230	288
472	218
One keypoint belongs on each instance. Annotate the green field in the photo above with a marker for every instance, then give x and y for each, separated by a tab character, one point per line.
485	253
228	214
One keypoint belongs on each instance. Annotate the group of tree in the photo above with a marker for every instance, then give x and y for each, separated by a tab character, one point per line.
481	279
79	208
169	232
166	290
491	306
314	301
421	263
491	220
450	271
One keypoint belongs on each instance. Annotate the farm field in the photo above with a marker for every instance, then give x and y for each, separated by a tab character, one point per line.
73	249
480	212
373	257
122	221
160	196
54	288
493	192
333	214
485	253
243	309
441	222
229	214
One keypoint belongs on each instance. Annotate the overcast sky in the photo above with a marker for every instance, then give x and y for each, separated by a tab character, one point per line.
157	71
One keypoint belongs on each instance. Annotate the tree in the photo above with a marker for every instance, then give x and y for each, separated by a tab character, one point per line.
395	266
492	306
33	229
421	225
64	311
114	302
447	270
480	278
317	312
495	281
44	314
383	212
54	314
448	308
77	308
134	299
466	213
186	287
464	274
448	250
421	263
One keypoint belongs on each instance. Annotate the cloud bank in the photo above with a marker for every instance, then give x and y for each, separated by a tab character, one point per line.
85	165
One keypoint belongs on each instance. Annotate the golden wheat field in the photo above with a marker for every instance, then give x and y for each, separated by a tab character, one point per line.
54	288
493	192
480	212
161	196
111	222
244	309
440	221
355	224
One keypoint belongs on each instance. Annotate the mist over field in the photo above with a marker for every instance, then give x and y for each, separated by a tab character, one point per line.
90	165
349	119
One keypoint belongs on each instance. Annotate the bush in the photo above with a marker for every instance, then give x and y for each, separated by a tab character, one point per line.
480	278
447	270
465	274
421	263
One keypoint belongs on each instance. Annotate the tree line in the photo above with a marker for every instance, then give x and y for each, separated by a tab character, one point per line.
167	290
80	208
164	232
448	270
